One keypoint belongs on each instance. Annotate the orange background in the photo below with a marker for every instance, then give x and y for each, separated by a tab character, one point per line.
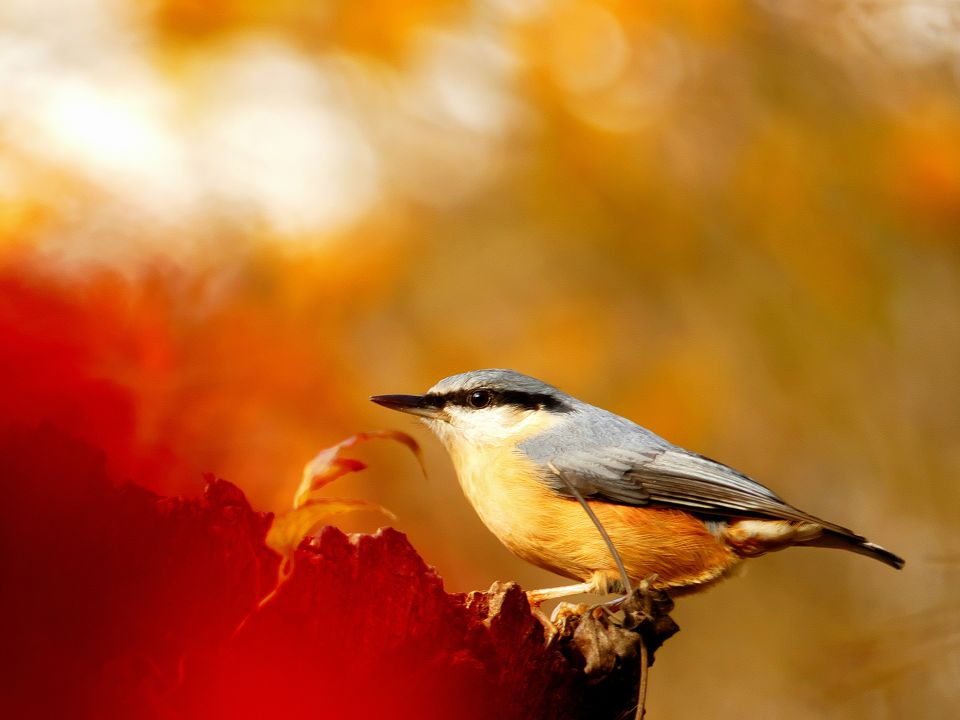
224	225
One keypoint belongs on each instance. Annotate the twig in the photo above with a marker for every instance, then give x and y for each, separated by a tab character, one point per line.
644	674
628	588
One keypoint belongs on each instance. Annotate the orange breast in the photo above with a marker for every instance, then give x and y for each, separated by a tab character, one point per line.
671	546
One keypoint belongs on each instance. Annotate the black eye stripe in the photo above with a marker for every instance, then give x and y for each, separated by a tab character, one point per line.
517	398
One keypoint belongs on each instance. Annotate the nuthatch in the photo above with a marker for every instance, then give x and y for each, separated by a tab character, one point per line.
523	451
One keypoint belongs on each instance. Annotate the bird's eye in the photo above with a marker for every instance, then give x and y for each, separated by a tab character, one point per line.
479	399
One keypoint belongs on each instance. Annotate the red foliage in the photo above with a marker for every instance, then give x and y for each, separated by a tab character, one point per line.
110	589
123	603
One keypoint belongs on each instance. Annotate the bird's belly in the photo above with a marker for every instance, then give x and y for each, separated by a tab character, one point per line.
555	533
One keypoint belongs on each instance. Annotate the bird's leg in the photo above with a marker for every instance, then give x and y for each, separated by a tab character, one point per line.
600	583
565	610
536	597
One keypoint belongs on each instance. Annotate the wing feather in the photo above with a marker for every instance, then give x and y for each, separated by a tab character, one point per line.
640	468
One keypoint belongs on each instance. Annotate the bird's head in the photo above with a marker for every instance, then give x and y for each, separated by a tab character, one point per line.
485	407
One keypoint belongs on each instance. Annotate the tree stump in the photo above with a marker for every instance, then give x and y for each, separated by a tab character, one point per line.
129	604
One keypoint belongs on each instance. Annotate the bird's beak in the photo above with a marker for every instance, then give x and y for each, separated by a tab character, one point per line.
419	405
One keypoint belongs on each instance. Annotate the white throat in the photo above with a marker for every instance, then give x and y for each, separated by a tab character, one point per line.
489	427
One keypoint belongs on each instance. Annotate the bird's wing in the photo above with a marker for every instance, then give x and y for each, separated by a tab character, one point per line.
670	476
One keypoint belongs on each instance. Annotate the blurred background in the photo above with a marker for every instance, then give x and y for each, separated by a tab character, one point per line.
225	224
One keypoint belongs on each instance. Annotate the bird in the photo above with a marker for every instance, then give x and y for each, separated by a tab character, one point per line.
559	481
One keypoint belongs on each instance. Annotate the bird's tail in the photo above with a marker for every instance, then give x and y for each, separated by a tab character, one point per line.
857	544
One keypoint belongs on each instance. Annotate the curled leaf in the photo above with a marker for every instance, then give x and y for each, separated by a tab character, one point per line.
327	466
321	471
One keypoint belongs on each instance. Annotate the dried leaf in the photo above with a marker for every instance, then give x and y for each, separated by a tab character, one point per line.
323	470
327	466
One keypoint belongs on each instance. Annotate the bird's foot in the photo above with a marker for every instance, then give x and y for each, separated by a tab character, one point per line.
565	611
550	631
554	623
